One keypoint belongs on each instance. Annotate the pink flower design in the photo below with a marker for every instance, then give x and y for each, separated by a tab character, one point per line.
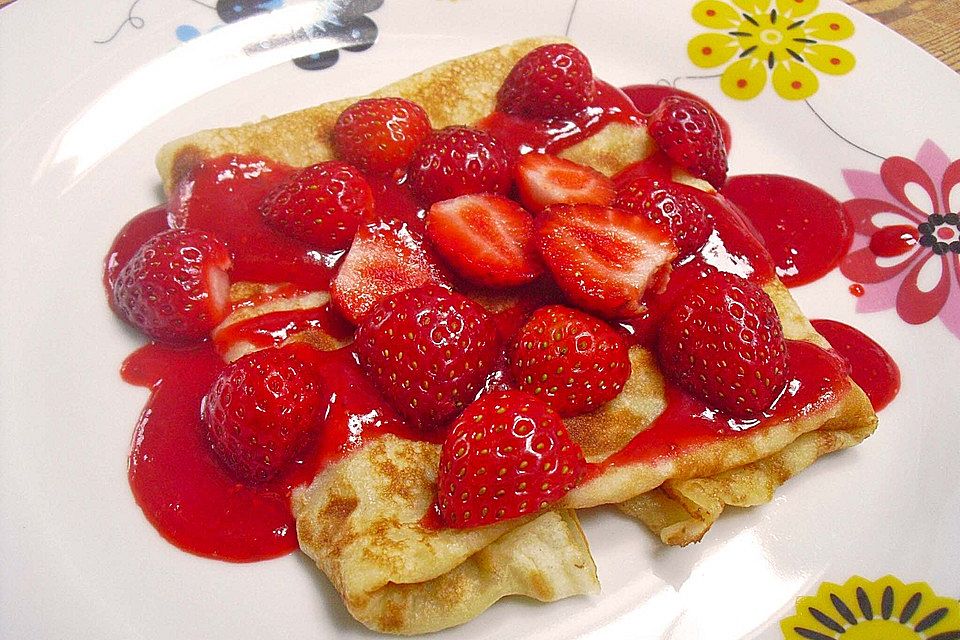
906	251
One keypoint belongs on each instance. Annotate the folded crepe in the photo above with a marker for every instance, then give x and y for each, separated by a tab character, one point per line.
364	520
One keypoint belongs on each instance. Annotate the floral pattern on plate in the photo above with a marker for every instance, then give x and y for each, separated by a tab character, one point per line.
906	251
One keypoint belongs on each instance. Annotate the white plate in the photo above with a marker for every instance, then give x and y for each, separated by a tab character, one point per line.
80	124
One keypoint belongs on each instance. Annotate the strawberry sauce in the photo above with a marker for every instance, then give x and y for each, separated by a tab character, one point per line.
871	367
817	378
647	97
185	492
805	229
272	329
526	135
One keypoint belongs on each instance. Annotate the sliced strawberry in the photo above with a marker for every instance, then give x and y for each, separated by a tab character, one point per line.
506	456
385	258
554	80
677	207
604	258
722	340
320	205
262	409
175	288
380	135
543	180
456	161
689	133
569	359
487	239
429	350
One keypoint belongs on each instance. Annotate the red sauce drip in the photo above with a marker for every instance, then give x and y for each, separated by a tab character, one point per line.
184	491
871	366
273	329
647	97
857	290
525	135
131	237
805	229
817	379
222	196
892	241
658	165
432	520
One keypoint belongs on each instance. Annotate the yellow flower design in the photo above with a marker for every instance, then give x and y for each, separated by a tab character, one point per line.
865	610
776	37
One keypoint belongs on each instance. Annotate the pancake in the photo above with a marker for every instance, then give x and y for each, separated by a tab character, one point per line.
362	519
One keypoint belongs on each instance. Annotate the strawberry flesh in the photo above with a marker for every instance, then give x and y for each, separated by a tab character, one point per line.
385	258
544	179
488	239
551	81
604	259
429	350
508	455
569	359
689	133
722	340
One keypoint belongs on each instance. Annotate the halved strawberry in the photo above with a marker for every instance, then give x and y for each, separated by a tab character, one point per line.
385	258
486	238
506	456
677	207
604	258
543	179
689	133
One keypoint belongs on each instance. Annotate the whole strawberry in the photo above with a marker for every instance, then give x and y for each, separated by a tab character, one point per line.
689	133
262	409
506	456
677	207
379	135
552	81
175	287
429	351
569	359
456	161
320	205
722	340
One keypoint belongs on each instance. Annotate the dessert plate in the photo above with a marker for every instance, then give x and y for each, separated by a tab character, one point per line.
90	94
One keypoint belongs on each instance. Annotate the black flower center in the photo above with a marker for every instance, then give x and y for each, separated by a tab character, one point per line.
941	233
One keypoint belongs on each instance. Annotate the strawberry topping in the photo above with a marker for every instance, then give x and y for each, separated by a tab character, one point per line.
507	455
429	350
262	409
175	287
569	359
604	259
676	207
456	161
543	180
380	135
551	81
487	239
722	341
320	205
385	258
689	133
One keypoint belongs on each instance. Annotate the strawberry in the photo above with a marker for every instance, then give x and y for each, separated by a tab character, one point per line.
543	180
678	208
262	409
487	239
429	351
175	287
569	359
506	456
552	81
603	259
456	161
689	133
379	135
722	341
320	205
385	258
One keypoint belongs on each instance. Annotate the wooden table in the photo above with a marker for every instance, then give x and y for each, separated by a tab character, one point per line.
932	24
